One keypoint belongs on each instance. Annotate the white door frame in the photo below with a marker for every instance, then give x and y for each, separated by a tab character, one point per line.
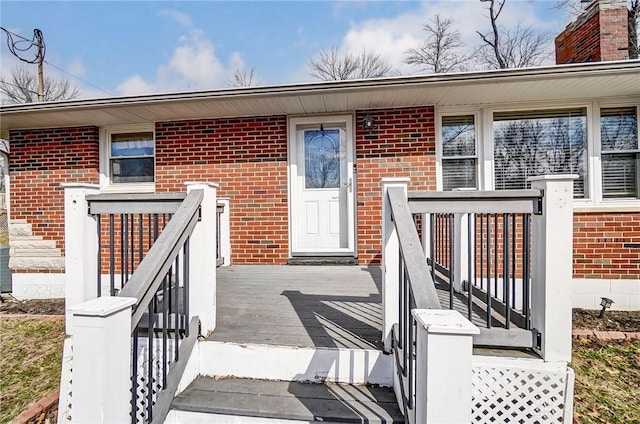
347	121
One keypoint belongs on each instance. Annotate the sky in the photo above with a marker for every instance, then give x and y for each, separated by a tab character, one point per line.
119	48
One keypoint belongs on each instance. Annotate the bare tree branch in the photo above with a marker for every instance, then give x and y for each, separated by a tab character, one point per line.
22	87
516	47
244	78
440	50
333	65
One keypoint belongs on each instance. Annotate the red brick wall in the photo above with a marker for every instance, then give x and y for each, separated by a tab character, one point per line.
40	161
597	35
402	145
247	157
606	245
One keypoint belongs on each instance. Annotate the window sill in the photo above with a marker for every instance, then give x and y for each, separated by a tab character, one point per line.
611	206
129	188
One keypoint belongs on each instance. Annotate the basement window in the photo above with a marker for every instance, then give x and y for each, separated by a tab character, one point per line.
128	158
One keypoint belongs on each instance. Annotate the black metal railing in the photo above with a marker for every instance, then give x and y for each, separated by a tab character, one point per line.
153	262
128	225
497	255
416	291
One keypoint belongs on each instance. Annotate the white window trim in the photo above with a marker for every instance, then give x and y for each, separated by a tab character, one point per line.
105	183
477	121
594	201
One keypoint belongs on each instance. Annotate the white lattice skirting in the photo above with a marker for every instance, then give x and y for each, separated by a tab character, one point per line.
528	391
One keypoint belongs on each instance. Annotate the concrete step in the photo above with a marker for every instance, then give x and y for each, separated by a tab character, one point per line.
32	242
290	363
36	262
45	251
210	400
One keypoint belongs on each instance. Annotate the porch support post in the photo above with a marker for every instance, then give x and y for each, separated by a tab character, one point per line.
81	247
202	259
444	350
225	231
102	360
461	246
551	266
390	263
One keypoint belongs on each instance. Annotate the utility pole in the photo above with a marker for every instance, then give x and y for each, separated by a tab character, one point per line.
40	59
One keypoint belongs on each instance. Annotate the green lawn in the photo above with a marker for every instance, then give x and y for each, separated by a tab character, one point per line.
607	381
30	362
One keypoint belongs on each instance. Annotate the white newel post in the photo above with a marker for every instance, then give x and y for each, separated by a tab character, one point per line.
390	263
81	247
202	259
102	360
225	231
444	350
551	266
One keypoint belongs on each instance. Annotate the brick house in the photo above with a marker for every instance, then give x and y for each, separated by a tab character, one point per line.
301	164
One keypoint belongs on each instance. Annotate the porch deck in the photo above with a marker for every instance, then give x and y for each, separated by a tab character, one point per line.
307	306
316	306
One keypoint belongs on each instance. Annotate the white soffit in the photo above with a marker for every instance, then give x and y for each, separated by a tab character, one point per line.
581	82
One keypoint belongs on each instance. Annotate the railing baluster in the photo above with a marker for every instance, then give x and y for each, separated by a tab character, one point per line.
150	360
451	259
471	255
525	268
124	248
432	245
112	283
99	258
165	330
495	255
185	284
505	274
140	238
488	299
514	249
134	376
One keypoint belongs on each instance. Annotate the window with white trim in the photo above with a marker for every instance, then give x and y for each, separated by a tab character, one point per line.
533	143
620	152
128	157
459	157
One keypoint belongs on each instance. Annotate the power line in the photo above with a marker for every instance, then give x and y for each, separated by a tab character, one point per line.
78	78
16	47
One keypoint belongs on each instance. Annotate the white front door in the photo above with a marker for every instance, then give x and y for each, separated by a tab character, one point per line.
322	186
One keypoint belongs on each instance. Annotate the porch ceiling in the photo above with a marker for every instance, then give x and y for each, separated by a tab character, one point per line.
565	83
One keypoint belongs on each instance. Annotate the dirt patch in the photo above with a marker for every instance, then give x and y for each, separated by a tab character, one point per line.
612	320
10	305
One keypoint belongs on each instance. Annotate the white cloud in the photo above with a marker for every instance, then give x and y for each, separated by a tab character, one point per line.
76	67
181	18
393	36
193	65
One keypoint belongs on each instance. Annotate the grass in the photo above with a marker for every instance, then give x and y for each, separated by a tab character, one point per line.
30	362
607	381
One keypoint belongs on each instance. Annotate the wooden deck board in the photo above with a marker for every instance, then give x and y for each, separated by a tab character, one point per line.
309	306
317	306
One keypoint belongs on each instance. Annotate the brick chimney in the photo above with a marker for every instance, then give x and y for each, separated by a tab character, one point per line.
600	33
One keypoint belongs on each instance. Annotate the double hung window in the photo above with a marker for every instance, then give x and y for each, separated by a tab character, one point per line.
620	153
459	158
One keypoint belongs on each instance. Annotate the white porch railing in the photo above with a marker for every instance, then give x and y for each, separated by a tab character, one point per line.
130	348
437	376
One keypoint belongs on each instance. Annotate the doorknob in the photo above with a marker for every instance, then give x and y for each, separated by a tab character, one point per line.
350	185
